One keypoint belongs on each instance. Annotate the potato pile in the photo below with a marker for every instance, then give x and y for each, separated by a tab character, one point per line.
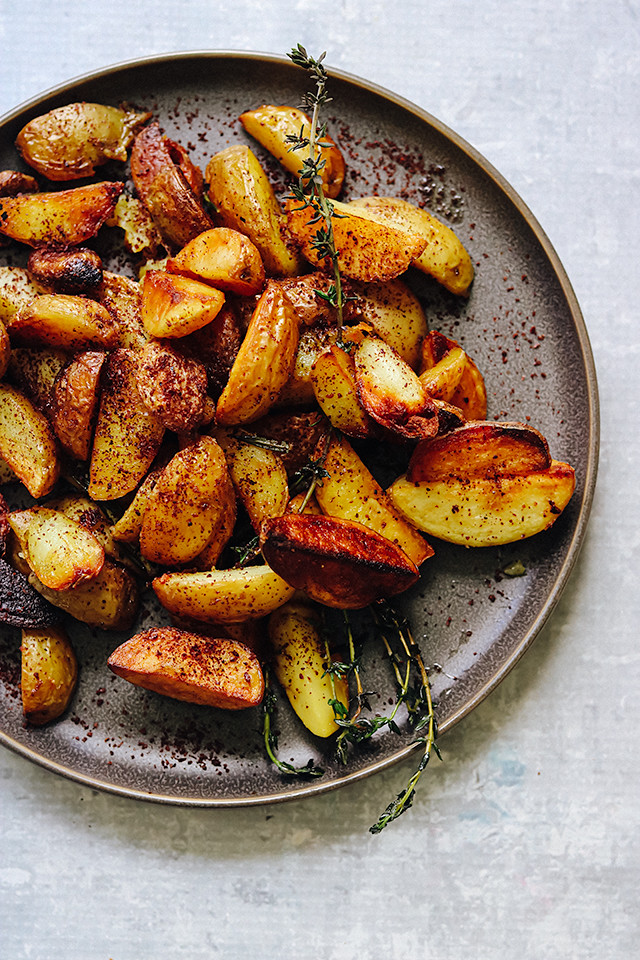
196	400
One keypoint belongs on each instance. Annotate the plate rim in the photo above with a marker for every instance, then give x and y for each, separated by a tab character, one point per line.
593	405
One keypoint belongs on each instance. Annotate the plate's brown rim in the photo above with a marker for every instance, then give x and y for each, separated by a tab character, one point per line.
593	435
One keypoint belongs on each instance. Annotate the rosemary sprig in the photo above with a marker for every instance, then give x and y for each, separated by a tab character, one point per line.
309	190
265	443
269	703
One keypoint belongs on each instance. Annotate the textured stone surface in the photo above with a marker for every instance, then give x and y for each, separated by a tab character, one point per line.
525	841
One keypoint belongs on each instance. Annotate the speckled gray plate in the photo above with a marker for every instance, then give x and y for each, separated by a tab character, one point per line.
523	326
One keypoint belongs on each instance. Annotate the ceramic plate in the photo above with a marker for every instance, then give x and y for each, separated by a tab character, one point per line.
521	324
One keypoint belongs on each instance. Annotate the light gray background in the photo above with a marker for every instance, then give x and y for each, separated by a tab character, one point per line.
524	843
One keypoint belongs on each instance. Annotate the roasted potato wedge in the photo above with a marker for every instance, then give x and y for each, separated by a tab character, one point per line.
188	501
302	430
122	297
74	403
71	141
49	673
13	183
300	664
449	374
486	511
166	185
175	306
214	672
350	492
109	601
264	362
367	250
260	478
127	527
5	350
141	236
443	257
216	346
127	435
89	515
172	387
75	270
20	604
223	596
64	218
59	550
27	443
225	258
339	563
396	315
222	533
271	125
65	322
35	372
16	290
333	376
244	200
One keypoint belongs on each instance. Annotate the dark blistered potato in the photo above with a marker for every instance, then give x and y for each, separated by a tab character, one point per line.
71	141
74	270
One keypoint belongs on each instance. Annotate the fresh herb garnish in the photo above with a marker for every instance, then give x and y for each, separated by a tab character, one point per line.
269	704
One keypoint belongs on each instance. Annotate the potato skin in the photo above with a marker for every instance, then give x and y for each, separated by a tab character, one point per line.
214	672
74	403
59	219
76	270
49	673
27	442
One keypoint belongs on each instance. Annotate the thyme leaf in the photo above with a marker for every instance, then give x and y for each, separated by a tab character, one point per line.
269	704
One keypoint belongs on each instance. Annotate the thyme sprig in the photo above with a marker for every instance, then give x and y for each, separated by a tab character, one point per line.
309	191
269	704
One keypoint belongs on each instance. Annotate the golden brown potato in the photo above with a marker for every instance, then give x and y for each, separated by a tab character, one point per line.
127	435
71	141
12	183
73	270
63	218
396	315
175	306
260	478
264	361
222	533
215	672
188	501
333	376
302	430
141	236
304	293
5	350
127	527
59	550
122	297
300	664
16	290
443	256
49	673
165	183
448	373
109	601
224	258
271	125
339	563
66	322
172	387
367	250
351	493
223	596
245	201
216	345
35	372
27	443
89	515
74	403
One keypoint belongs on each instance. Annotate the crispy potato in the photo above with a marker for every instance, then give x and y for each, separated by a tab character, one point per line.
89	515
333	376
127	435
222	533
74	403
66	322
396	315
448	373
16	290
367	250
387	387
166	183
480	449
71	141
175	306
443	256
35	372
302	430
215	672
73	270
300	664
223	596
304	293
27	443
187	503
486	511
109	601
63	218
13	183
351	493
59	550
339	563
122	297
127	528
49	673
260	478
216	346
20	604
245	201
5	350
172	387
298	389
271	125
264	362
224	258
141	236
